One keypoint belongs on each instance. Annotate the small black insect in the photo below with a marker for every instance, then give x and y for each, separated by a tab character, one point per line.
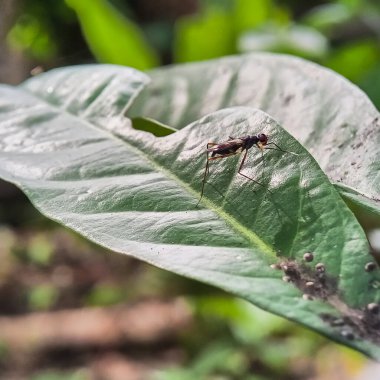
235	146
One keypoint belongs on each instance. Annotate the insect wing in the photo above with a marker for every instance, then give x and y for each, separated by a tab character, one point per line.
234	142
230	146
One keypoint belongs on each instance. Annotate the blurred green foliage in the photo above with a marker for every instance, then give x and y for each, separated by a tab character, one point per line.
43	30
244	342
228	338
53	375
40	250
190	42
112	37
31	34
105	295
342	34
42	297
356	59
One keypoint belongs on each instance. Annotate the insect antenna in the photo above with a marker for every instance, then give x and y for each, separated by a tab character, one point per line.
280	149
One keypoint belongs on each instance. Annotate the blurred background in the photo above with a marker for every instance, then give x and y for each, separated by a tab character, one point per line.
70	309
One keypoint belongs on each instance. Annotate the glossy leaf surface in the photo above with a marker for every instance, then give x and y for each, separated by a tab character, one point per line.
330	116
135	193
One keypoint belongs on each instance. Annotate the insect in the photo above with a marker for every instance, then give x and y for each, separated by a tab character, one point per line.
235	146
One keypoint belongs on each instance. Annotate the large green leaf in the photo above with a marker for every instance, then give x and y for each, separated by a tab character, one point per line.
135	193
330	116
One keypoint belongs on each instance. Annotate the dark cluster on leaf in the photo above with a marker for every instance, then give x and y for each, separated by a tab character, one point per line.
357	324
315	283
311	280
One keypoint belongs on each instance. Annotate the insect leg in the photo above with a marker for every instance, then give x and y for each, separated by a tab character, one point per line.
204	175
207	167
262	158
280	149
241	167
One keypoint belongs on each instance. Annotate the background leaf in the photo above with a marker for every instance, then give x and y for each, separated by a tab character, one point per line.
152	126
190	43
112	37
355	60
335	120
292	39
134	193
248	15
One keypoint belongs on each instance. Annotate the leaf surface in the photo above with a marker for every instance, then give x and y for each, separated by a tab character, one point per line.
134	193
330	116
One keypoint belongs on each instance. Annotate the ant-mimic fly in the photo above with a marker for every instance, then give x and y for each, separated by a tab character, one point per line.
235	146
